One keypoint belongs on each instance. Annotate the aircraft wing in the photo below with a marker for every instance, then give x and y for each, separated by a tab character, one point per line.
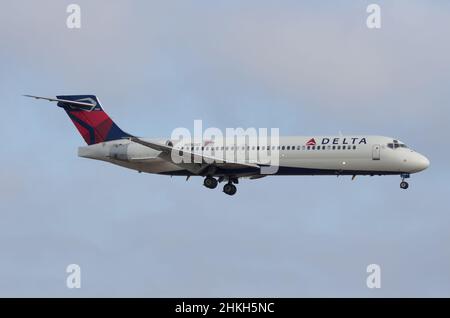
199	163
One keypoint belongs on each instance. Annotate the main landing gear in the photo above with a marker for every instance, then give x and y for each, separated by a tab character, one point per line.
210	183
404	185
229	188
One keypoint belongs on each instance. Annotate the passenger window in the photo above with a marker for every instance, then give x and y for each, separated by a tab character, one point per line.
354	147
288	147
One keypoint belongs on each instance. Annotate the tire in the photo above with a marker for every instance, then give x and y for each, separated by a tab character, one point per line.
229	189
404	185
210	183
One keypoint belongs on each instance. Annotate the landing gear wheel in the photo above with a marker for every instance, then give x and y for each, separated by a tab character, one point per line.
404	185
229	189
210	183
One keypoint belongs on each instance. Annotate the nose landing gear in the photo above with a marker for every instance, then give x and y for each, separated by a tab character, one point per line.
404	185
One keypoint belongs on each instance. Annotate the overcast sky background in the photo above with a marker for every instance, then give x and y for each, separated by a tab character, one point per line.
305	67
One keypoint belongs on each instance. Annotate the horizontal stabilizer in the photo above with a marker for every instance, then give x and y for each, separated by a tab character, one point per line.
82	105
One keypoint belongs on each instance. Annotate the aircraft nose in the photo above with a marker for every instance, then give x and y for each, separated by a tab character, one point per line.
422	162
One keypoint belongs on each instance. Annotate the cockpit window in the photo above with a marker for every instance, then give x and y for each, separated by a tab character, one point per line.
396	145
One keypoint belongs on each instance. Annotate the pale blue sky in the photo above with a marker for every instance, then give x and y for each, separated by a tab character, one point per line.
302	67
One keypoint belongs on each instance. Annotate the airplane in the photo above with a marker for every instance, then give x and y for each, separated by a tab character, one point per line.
297	155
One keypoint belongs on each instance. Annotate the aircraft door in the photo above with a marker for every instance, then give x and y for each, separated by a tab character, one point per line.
376	152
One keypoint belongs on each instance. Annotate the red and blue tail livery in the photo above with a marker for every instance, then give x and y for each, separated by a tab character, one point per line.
88	116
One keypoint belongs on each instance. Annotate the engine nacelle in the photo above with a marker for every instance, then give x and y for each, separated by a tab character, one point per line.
169	143
119	151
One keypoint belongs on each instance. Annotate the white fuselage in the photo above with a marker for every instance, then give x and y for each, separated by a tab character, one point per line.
298	155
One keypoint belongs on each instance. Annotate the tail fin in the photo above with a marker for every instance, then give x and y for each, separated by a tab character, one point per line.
89	118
